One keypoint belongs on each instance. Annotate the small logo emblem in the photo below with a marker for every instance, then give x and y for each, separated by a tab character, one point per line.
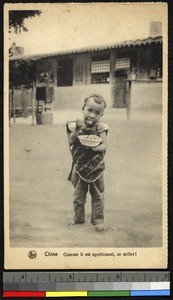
32	254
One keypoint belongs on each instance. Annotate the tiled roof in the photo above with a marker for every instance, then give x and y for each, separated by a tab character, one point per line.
126	44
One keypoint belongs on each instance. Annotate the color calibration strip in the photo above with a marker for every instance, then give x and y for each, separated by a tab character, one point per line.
86	293
85	284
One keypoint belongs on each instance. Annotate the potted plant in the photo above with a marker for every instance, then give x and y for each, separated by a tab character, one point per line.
43	114
132	74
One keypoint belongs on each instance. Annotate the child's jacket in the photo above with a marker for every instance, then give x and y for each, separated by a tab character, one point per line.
86	162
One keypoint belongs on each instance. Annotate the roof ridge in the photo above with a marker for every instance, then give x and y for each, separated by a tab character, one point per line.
91	48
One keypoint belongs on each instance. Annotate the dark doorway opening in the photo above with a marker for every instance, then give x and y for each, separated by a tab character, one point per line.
65	72
120	88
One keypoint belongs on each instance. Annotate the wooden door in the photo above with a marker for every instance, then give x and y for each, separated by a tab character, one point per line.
25	101
120	88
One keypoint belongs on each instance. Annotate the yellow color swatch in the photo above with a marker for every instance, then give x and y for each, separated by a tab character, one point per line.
67	294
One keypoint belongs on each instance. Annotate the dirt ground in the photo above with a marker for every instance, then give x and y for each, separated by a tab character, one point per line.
41	201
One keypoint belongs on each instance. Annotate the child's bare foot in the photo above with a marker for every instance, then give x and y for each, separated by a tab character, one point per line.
72	222
99	227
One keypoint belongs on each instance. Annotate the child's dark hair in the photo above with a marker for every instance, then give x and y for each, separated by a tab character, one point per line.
97	98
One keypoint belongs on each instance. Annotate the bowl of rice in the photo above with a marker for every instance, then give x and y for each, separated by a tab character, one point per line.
90	140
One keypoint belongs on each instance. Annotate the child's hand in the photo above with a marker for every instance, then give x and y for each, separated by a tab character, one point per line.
79	124
94	148
86	147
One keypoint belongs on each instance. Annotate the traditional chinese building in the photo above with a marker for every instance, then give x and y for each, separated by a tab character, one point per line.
105	70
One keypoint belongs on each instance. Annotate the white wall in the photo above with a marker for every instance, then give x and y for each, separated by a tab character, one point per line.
146	97
72	97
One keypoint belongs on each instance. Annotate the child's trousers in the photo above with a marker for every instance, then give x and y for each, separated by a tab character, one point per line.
96	190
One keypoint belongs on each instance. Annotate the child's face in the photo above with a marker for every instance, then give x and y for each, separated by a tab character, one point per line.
92	112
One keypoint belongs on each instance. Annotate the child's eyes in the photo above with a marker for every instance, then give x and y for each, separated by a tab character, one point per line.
97	112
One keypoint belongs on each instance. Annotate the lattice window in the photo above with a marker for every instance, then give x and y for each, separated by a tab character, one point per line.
100	78
100	66
100	69
122	63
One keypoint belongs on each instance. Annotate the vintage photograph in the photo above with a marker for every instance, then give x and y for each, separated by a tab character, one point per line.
86	135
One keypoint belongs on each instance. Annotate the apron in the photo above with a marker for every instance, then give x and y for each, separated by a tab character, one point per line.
87	163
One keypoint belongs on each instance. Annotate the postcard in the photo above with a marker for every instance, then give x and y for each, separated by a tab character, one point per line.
85	168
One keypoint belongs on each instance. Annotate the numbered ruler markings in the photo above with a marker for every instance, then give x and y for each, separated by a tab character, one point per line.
47	277
14	277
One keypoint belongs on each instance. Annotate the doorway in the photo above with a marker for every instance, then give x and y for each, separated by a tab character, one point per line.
120	88
65	72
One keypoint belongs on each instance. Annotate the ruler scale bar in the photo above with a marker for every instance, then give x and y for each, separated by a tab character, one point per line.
92	283
86	276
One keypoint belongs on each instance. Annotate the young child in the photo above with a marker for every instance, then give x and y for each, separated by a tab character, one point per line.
88	163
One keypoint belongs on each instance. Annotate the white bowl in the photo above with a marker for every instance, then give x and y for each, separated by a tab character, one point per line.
89	140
